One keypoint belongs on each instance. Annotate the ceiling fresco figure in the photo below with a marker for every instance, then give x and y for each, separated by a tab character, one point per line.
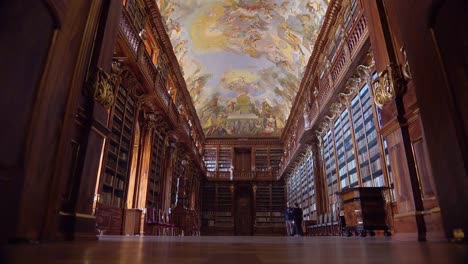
243	60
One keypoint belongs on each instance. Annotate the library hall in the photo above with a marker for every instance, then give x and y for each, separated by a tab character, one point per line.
234	131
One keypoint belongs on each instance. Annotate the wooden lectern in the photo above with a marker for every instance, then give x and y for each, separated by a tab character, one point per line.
364	209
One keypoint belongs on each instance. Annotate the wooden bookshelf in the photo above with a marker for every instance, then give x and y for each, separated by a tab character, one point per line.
153	197
208	204
311	208
225	161
210	157
352	151
269	205
136	13
262	198
278	204
223	215
118	151
275	158
261	159
301	182
367	140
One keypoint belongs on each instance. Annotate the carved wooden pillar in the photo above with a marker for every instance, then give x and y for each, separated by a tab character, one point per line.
184	184
142	177
166	192
319	178
195	191
35	167
428	39
254	192
85	126
393	92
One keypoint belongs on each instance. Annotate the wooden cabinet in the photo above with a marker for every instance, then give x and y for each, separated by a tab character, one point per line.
364	209
132	219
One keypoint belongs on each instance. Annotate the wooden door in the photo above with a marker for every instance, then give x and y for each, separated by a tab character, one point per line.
243	220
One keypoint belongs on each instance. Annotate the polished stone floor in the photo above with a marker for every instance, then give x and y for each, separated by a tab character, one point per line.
239	250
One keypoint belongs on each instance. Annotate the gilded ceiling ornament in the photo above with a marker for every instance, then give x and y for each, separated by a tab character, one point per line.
387	86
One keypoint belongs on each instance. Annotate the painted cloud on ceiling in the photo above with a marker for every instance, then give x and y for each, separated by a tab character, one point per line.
243	60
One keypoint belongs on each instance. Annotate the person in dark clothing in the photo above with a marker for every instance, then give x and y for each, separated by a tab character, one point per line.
288	218
297	218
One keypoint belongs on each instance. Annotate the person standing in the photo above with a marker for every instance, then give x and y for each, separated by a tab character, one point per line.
297	218
288	218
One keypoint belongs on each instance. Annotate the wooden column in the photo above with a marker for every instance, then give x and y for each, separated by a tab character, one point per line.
141	187
430	41
56	179
166	193
96	110
400	123
319	179
33	99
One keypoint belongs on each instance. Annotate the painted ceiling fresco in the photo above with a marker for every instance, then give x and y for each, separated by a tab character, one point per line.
243	60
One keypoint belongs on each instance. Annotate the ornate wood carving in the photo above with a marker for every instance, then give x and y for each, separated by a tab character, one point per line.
101	86
388	85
